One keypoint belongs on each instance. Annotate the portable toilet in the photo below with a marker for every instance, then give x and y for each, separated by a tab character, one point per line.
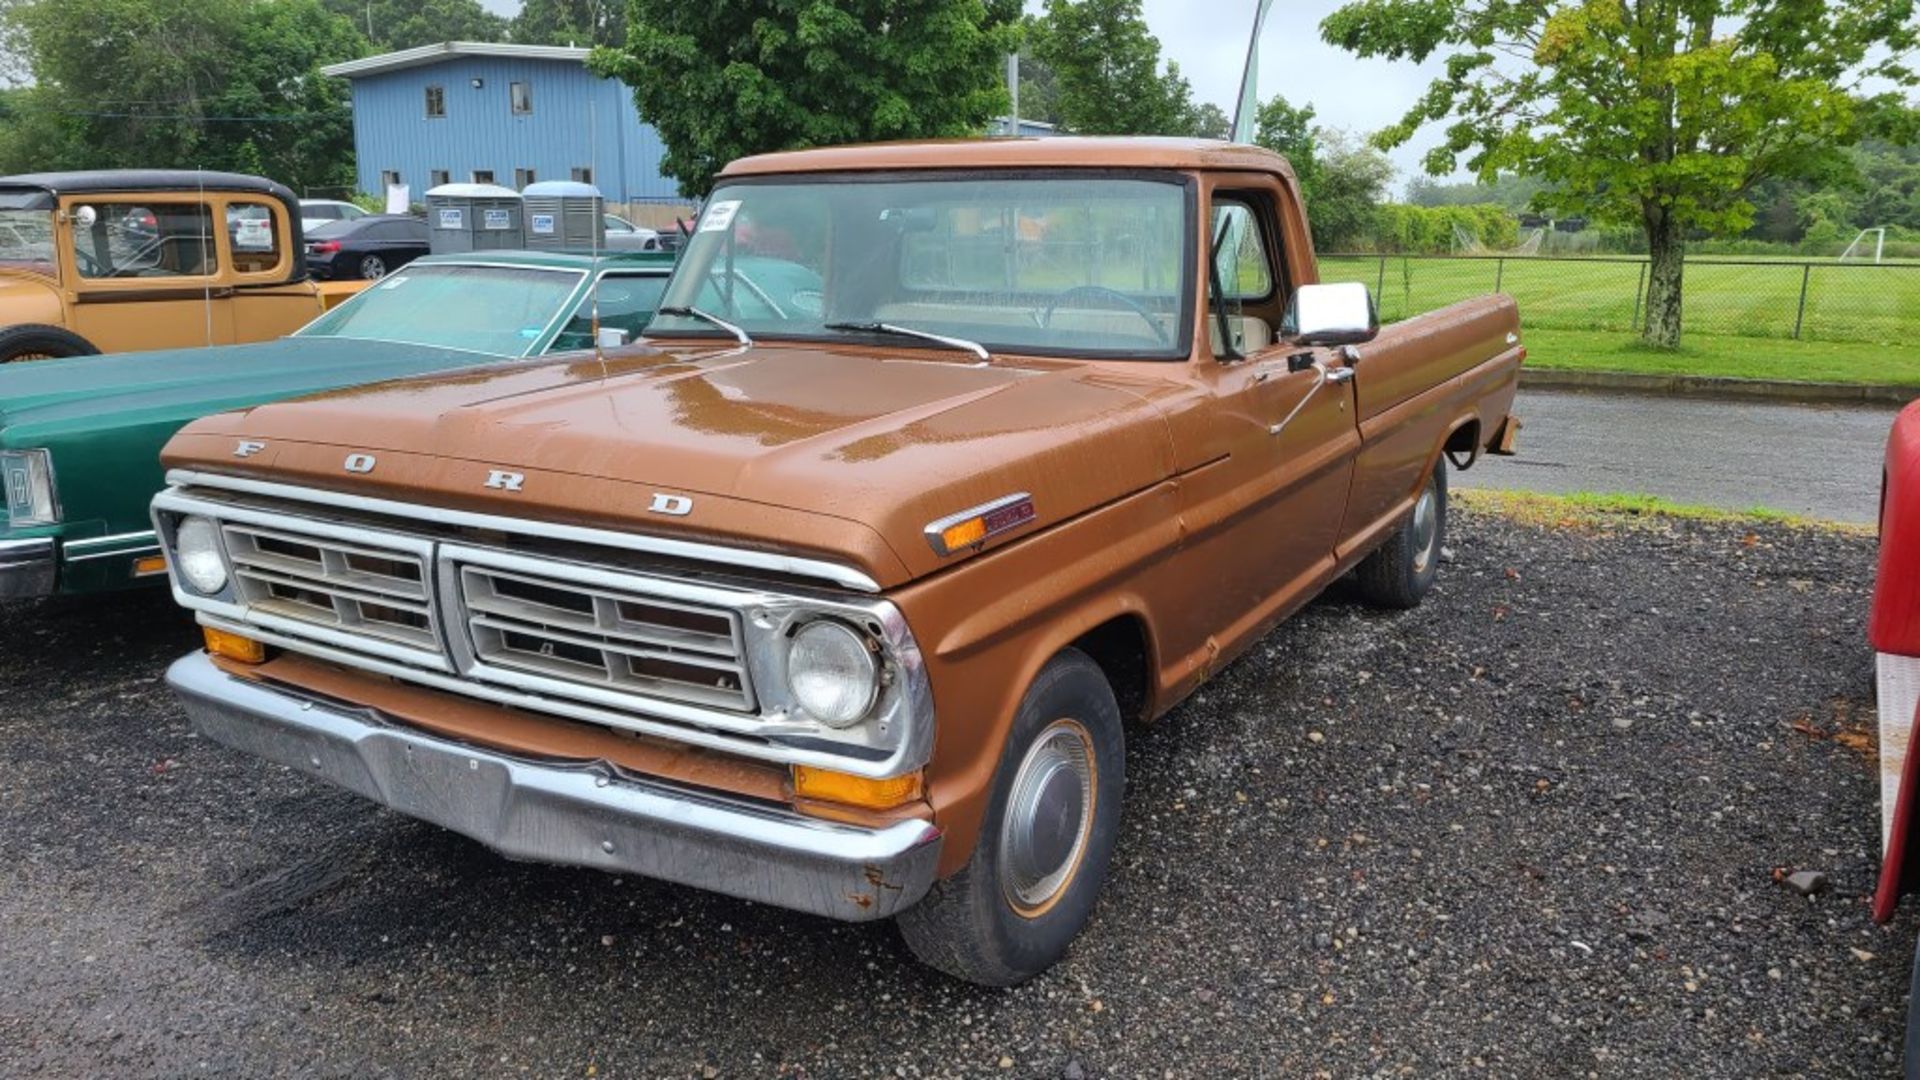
474	217
565	214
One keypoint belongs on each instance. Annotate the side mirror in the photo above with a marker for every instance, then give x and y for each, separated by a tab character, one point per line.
85	216
1340	314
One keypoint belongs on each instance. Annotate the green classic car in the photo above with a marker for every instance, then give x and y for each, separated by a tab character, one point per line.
80	438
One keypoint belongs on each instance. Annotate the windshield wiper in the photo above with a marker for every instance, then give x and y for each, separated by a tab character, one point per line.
962	344
709	318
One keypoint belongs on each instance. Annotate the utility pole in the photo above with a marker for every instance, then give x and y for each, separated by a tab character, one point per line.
1013	93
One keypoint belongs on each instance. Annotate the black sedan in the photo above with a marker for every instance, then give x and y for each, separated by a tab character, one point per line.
367	247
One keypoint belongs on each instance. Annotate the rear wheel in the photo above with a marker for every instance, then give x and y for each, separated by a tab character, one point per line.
1044	845
1401	571
35	342
373	267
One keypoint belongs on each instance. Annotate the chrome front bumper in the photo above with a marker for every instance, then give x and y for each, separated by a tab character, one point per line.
26	567
585	814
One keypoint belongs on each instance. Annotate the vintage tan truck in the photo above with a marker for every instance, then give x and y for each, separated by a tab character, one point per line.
128	260
842	601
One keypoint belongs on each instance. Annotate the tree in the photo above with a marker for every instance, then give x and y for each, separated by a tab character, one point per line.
217	84
570	22
405	24
733	77
1288	131
1350	179
1208	121
1661	112
1107	69
1039	90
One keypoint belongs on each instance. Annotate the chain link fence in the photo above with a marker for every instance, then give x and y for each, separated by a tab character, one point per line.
1809	300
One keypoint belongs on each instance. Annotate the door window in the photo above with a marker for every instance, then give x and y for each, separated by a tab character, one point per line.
1240	251
144	240
253	232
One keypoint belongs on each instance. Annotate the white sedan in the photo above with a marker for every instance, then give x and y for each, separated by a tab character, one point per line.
317	212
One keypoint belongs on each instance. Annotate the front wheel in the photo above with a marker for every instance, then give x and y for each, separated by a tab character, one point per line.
373	267
35	342
1401	571
1045	842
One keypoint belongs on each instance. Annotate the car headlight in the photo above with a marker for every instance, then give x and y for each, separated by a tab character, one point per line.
196	544
833	673
28	476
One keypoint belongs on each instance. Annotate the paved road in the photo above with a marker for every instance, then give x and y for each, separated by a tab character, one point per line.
1822	461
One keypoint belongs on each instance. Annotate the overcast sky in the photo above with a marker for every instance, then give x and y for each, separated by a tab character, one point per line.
1208	38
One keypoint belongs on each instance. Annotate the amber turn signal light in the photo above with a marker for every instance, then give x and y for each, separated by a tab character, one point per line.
971	528
149	566
233	646
829	786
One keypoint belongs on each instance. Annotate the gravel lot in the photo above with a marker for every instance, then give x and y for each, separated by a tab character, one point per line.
1531	829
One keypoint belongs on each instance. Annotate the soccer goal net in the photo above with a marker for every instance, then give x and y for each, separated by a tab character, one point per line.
1858	250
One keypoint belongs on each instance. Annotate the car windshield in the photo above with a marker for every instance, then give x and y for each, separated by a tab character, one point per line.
1071	265
26	241
500	310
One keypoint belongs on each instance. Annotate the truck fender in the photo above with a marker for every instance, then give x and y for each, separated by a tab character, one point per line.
960	802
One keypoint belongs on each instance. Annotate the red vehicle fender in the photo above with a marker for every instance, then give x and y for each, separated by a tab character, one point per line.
1893	627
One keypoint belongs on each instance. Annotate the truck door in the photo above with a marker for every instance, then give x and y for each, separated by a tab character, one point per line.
145	272
1273	509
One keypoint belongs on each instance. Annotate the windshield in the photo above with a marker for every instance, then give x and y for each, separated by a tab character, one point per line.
501	310
1071	265
26	241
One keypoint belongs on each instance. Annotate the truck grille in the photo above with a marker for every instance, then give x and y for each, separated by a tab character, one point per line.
604	638
351	588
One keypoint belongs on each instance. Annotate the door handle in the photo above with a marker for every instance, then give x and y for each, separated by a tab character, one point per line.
1340	375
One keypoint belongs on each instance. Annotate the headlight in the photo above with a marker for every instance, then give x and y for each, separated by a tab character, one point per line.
29	484
196	545
832	673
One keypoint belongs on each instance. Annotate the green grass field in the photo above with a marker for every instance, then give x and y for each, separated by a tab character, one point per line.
1862	322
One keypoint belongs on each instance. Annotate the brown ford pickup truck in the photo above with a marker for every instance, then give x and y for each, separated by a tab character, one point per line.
841	599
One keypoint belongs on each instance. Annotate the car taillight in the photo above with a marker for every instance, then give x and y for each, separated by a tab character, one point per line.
324	247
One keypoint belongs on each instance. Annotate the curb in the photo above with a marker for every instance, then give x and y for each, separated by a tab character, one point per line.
1713	386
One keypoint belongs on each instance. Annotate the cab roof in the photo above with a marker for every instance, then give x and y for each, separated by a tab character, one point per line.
115	180
1061	152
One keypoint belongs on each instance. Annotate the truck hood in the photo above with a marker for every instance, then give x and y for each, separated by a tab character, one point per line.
28	298
881	442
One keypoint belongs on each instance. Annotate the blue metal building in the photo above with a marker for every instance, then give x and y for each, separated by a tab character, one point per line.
466	112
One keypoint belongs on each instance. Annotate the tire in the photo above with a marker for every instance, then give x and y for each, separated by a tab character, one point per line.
1014	908
32	341
373	267
1400	572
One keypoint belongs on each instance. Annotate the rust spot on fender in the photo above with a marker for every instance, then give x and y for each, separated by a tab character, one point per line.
878	880
860	900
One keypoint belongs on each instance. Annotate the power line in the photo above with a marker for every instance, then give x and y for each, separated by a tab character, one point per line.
279	118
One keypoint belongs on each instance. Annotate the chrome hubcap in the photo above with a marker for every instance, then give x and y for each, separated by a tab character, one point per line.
1426	529
1049	816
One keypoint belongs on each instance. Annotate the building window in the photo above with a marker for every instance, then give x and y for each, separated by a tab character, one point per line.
483	176
522	96
583	174
388	178
522	177
436	103
436	177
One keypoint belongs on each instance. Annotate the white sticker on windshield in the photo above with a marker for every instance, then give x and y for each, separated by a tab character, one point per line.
391	283
719	215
